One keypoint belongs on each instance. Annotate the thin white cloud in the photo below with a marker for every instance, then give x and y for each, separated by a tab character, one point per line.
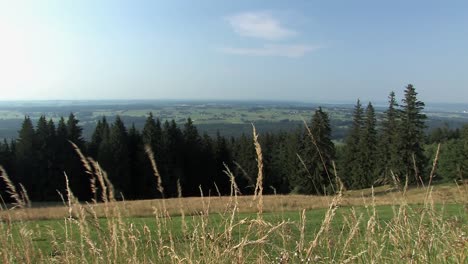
290	51
259	25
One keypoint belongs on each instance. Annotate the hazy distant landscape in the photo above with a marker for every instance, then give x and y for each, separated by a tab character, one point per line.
230	118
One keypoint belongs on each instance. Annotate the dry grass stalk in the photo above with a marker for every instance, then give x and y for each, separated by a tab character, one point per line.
244	173
159	182
11	189
329	215
99	173
434	165
83	159
150	154
259	185
234	192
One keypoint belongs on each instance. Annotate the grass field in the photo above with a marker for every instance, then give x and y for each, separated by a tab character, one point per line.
420	225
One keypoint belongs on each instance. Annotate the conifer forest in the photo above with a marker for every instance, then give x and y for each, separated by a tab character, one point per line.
303	161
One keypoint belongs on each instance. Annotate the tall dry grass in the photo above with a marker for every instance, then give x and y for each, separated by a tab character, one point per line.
214	230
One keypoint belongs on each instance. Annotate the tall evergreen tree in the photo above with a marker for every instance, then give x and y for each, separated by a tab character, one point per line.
191	169
62	152
101	132
286	162
136	160
173	169
152	133
25	157
245	163
74	131
152	136
119	169
79	179
368	147
412	136
318	153
45	158
389	157
222	156
352	168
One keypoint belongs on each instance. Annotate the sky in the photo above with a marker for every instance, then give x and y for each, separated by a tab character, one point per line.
316	51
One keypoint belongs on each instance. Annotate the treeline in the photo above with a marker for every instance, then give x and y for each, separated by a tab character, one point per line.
190	163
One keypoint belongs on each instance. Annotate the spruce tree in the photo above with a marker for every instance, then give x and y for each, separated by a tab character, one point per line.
44	157
389	157
152	133
79	179
412	136
26	163
74	131
173	169
101	132
191	163
62	152
368	148
119	169
352	168
222	156
137	157
318	152
245	166
152	136
286	162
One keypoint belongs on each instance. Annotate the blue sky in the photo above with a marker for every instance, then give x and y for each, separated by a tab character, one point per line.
318	51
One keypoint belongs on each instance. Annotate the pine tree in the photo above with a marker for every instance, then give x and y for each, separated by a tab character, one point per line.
412	136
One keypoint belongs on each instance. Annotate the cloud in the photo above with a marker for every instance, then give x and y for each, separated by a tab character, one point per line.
259	25
290	51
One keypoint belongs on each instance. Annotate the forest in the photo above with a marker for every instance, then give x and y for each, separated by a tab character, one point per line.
304	161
